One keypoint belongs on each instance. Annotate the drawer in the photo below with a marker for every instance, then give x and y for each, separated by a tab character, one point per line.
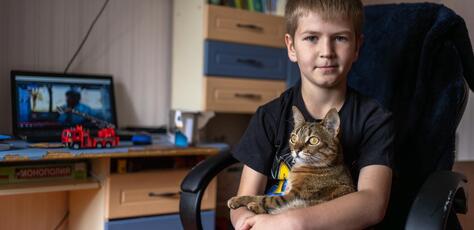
159	222
243	26
250	61
150	193
240	95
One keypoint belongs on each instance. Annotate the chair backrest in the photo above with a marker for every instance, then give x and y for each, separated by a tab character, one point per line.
415	60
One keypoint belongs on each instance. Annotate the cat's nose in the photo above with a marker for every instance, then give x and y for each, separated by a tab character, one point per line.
298	154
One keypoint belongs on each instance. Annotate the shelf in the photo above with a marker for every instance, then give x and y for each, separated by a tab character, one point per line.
48	186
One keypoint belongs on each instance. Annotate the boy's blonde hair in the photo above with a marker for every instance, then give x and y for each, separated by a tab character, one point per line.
328	9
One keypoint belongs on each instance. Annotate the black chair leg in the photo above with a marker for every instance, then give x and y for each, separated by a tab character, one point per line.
189	210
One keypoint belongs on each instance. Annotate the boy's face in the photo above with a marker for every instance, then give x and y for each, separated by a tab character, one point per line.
324	49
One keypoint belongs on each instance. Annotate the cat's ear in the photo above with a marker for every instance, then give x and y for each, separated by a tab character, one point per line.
297	116
331	121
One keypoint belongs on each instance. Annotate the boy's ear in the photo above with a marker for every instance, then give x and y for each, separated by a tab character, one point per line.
290	46
359	42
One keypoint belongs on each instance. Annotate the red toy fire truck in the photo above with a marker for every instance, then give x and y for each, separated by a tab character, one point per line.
79	137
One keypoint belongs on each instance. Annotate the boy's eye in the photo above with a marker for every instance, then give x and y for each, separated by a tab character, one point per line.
342	39
311	38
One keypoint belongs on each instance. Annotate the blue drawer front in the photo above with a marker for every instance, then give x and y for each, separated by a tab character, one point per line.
166	222
247	61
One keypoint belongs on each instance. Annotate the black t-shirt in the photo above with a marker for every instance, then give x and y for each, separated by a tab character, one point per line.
366	133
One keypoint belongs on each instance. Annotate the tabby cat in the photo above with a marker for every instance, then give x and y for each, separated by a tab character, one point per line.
318	173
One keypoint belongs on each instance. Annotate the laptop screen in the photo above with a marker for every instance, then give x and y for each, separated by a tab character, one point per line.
45	102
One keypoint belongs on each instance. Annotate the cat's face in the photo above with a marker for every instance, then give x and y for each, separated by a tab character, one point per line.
315	143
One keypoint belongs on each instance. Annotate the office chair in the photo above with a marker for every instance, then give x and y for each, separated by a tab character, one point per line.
417	61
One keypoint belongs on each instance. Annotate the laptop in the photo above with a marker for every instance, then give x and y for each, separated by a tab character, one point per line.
43	104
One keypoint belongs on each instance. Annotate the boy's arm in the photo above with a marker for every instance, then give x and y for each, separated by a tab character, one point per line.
357	210
251	183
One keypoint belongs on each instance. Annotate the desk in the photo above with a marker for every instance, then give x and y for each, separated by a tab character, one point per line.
103	200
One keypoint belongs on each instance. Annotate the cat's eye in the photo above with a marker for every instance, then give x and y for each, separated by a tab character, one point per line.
293	138
313	141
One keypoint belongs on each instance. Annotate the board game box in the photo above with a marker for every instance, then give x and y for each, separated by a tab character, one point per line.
42	172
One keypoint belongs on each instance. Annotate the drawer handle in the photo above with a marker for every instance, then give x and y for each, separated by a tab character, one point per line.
164	194
249	96
251	62
250	26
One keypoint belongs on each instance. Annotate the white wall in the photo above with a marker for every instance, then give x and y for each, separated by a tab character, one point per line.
4	78
131	41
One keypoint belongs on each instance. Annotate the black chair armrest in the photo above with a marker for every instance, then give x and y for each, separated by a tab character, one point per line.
194	185
442	193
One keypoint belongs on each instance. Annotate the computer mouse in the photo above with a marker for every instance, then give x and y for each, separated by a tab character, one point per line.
141	139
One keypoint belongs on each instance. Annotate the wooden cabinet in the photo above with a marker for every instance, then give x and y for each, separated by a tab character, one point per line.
216	42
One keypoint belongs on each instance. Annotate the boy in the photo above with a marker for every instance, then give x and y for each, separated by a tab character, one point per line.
323	37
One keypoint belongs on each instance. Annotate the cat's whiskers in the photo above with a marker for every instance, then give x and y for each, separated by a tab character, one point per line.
312	160
316	161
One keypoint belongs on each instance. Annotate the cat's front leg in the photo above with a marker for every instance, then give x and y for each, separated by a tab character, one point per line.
253	203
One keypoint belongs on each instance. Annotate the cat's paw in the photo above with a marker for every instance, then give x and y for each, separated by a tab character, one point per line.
233	203
255	208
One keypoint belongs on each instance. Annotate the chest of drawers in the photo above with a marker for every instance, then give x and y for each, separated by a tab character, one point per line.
226	59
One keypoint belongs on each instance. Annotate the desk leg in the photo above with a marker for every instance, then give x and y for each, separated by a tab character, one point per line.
89	208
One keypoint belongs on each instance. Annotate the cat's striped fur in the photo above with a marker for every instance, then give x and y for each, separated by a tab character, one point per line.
318	173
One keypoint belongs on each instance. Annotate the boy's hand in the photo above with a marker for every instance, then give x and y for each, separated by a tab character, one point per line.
268	221
242	215
256	222
251	183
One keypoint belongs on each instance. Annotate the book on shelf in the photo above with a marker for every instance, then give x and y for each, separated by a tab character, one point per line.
239	4
257	5
275	7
